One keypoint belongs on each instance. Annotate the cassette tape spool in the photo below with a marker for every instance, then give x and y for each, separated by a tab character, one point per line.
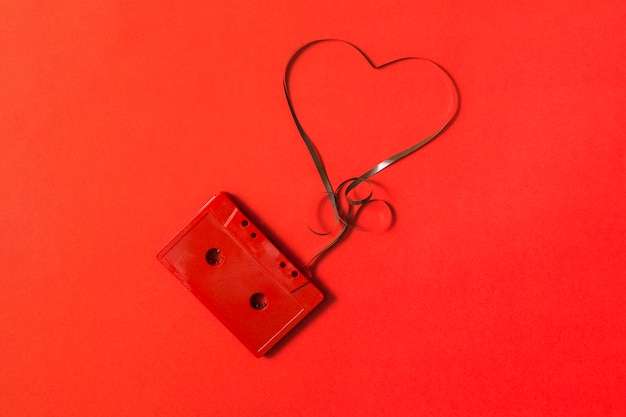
239	275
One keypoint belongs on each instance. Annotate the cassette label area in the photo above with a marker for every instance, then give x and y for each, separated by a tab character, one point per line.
239	275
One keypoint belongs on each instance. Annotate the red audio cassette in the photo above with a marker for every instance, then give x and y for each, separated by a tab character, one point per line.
239	275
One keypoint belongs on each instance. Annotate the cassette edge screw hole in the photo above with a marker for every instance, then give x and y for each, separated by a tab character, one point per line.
214	256
244	223
258	301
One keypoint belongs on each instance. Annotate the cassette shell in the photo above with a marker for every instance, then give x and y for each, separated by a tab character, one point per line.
239	275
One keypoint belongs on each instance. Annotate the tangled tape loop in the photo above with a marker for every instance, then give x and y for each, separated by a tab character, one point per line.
346	200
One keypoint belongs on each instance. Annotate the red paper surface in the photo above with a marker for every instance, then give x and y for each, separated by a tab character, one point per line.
499	290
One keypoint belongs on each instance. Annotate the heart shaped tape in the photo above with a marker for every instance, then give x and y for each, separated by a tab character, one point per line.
346	202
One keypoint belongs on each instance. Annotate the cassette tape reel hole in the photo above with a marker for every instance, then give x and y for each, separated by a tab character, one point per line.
214	257
258	301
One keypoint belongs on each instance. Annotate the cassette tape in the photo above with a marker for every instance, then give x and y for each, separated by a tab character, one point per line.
239	275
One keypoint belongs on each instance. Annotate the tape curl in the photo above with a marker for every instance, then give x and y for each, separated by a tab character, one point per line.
347	208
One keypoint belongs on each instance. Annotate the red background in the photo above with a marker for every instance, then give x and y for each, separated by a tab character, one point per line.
499	291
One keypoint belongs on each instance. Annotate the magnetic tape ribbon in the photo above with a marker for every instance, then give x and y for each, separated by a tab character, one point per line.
343	190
